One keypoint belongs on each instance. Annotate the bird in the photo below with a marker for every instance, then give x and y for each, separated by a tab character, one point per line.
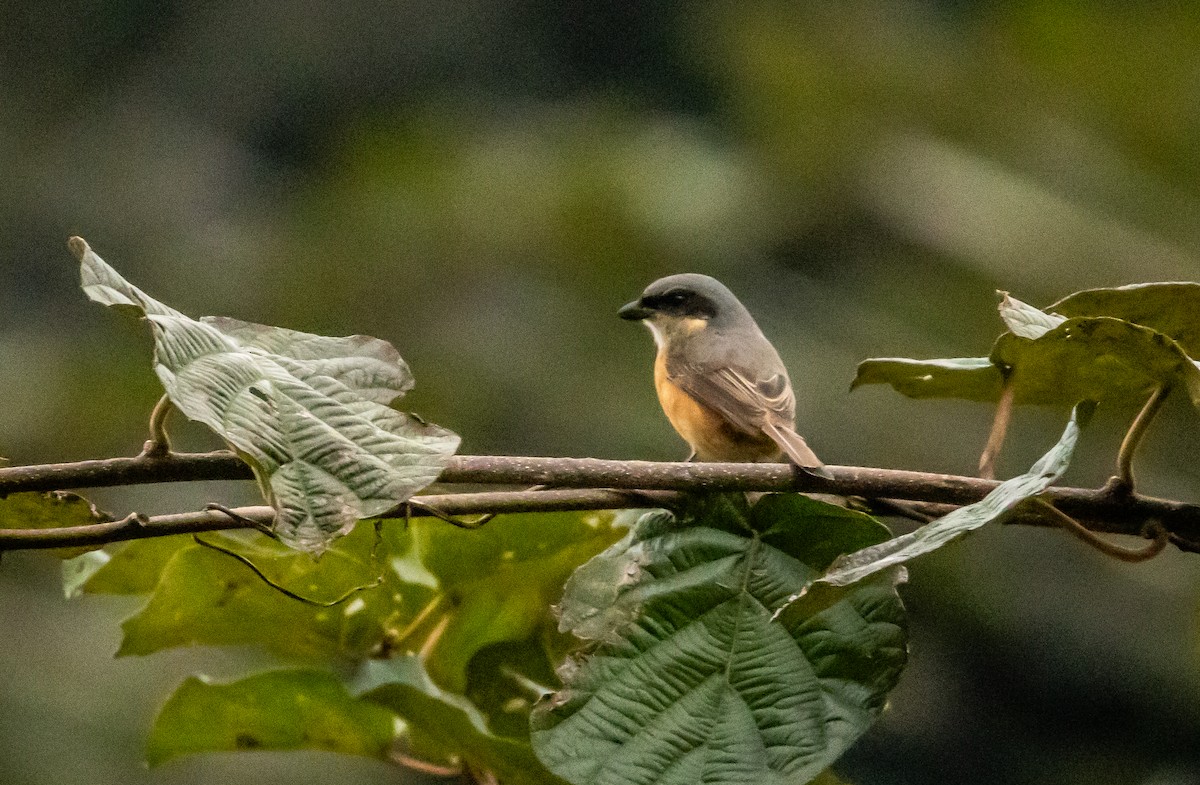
719	380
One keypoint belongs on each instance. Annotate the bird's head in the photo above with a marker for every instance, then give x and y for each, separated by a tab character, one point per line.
683	305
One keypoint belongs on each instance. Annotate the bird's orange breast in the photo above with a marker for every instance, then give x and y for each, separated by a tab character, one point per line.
705	430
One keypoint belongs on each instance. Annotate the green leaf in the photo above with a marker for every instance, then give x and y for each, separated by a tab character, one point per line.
1170	308
968	378
813	531
359	563
504	680
1007	495
1095	358
279	710
135	567
497	583
1049	360
447	592
309	414
693	677
446	729
204	597
53	510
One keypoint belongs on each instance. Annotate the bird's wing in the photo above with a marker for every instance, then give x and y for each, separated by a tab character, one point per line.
766	406
748	404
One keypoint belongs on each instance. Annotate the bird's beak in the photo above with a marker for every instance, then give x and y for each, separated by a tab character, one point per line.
635	311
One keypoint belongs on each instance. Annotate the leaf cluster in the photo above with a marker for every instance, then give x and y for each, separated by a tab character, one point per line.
437	615
1105	345
723	641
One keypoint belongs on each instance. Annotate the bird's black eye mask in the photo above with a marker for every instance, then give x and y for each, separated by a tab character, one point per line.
682	303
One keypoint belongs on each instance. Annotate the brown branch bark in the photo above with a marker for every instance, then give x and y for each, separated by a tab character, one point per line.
1099	509
135	470
516	470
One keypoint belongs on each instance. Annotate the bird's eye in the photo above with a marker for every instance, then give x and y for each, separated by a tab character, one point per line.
674	298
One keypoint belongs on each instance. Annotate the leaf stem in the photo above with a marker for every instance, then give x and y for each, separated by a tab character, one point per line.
995	442
159	443
1154	529
1123	481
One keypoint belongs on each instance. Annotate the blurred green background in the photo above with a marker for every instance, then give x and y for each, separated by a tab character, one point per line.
483	183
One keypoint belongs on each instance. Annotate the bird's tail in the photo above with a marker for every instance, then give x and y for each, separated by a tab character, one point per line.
797	450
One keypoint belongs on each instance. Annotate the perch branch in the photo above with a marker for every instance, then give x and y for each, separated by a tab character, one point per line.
578	483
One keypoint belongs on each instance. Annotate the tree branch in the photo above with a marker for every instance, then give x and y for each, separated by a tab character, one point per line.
516	470
1098	509
137	470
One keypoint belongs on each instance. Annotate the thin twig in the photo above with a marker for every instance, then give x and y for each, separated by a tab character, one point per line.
1133	437
435	635
423	766
913	511
219	518
394	640
475	524
265	528
995	442
432	510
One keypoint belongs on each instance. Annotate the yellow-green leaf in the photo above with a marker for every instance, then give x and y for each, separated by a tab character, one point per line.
1172	308
53	510
278	710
